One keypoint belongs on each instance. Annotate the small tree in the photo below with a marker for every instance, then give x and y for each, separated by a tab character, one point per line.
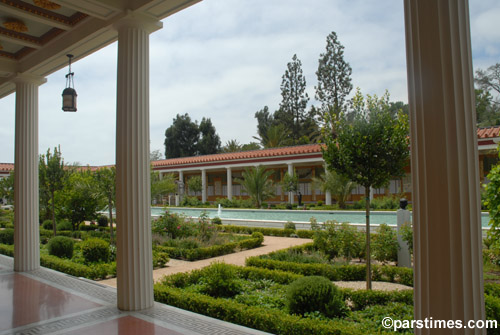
106	188
369	150
257	184
161	187
51	178
195	184
7	188
290	183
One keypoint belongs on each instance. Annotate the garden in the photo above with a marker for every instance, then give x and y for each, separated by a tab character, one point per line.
292	291
89	250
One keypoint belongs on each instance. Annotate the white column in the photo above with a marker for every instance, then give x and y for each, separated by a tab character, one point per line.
229	184
203	185
181	189
133	189
328	198
26	200
290	172
446	200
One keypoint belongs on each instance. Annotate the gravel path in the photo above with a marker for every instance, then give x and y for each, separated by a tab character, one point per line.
270	244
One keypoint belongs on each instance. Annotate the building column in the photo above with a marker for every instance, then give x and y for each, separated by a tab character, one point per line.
179	196
203	185
446	200
133	189
229	184
328	198
26	199
290	173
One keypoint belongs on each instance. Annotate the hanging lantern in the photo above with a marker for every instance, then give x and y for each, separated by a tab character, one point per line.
69	94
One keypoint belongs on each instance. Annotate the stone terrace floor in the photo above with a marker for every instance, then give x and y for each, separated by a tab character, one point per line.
49	302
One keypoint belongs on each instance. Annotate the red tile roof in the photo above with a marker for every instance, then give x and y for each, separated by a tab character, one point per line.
6	167
482	133
232	156
488	132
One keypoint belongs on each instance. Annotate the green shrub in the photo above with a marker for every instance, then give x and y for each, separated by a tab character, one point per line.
289	225
191	202
96	271
102	221
385	244
47	224
173	225
95	250
289	206
259	235
492	306
159	258
351	272
361	299
7	250
7	236
315	293
84	227
64	225
406	232
60	246
219	280
217	220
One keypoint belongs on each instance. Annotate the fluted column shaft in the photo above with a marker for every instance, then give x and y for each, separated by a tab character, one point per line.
290	173
133	189
26	199
203	185
229	184
446	199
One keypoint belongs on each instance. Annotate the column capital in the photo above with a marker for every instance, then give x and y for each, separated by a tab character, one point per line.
27	78
139	21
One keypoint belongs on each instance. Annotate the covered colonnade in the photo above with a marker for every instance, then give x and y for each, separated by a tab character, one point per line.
448	266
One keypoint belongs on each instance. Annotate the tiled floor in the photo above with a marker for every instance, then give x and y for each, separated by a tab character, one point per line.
49	302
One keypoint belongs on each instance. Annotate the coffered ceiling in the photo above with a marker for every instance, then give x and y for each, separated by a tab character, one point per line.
36	35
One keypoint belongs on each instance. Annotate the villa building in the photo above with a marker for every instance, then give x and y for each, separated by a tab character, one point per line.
220	172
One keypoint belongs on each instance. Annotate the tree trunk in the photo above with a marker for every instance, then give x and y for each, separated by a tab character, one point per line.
110	208
54	228
368	257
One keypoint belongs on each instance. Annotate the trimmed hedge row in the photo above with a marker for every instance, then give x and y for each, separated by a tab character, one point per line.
363	298
7	236
269	320
95	271
280	232
7	250
338	272
213	251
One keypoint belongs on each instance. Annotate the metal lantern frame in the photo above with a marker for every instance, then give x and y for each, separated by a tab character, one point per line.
69	94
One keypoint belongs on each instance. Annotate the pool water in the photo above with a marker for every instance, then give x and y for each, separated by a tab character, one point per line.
293	215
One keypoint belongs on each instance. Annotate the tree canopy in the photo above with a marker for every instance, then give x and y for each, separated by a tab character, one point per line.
185	138
488	96
334	78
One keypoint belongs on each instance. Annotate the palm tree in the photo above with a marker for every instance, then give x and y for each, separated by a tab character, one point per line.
257	184
231	146
339	186
276	136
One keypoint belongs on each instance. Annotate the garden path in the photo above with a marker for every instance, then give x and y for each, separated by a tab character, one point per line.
270	244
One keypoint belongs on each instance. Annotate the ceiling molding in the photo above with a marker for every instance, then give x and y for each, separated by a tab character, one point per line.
30	12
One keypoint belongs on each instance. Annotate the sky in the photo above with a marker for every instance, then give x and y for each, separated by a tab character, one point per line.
224	59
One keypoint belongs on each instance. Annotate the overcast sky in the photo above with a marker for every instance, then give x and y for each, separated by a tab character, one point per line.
224	59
